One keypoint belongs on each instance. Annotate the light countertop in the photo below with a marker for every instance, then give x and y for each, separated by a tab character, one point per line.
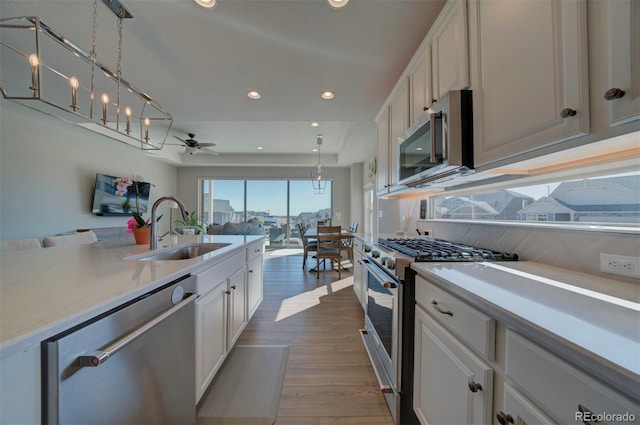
46	291
592	322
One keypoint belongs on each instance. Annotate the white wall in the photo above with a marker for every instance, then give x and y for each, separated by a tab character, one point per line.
48	169
188	183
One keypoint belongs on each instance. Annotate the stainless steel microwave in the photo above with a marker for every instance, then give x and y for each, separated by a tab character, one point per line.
440	145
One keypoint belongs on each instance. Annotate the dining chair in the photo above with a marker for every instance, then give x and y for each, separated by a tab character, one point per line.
329	248
346	244
309	245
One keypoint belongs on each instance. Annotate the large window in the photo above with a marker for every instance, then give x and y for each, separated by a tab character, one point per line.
278	204
604	199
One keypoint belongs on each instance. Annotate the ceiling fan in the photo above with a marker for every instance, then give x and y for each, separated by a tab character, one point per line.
191	145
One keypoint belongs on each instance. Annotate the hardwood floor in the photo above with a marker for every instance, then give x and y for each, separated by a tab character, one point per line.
329	380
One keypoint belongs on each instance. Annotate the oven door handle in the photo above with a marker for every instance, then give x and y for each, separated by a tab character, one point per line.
386	280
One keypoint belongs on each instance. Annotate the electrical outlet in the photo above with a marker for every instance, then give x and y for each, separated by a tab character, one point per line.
622	265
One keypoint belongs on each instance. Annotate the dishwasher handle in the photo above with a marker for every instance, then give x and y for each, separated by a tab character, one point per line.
96	358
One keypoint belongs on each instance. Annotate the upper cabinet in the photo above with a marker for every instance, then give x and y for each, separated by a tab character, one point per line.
623	46
382	153
421	95
449	49
528	74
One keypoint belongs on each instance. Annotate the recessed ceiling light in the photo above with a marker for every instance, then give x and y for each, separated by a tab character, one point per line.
259	148
418	149
337	4
328	95
253	94
314	150
209	4
315	124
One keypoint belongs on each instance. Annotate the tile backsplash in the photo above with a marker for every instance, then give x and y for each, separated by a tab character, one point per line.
570	249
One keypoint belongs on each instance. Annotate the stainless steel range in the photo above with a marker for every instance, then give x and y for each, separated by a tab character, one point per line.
390	309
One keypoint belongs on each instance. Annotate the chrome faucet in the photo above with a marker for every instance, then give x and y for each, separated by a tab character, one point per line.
153	236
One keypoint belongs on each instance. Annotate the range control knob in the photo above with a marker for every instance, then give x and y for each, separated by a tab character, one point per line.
375	254
366	248
391	264
383	261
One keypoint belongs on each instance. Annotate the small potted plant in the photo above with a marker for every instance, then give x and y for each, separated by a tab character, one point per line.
194	222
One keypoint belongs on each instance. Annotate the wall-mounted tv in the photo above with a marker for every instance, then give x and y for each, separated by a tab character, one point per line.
107	201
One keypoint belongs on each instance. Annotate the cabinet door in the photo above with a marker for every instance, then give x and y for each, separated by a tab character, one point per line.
519	410
237	304
623	27
452	385
398	124
529	64
254	285
211	335
420	84
382	154
450	49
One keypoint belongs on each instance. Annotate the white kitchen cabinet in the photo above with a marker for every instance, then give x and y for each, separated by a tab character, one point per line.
449	50
519	410
255	284
452	385
420	96
528	62
359	275
237	292
558	388
211	335
623	42
382	153
392	124
220	315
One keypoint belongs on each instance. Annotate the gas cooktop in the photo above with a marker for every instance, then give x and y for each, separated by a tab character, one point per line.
430	249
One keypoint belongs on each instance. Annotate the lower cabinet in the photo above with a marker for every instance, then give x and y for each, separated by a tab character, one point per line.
230	292
460	360
359	275
452	385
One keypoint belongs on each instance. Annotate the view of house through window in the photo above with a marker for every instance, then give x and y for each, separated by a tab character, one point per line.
605	199
278	205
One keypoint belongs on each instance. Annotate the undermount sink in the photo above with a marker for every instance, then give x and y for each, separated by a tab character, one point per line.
184	252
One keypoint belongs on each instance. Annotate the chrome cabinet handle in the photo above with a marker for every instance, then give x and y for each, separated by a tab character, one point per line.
434	303
474	387
614	93
434	117
233	286
97	358
504	418
568	112
251	271
257	250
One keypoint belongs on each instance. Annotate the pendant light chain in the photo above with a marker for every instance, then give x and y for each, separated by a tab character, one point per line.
119	71
93	55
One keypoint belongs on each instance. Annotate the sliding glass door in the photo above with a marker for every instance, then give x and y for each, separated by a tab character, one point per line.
279	205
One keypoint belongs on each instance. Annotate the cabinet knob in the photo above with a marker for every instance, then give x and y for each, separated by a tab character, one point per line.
504	418
251	271
233	286
424	108
227	292
474	387
434	100
567	112
614	93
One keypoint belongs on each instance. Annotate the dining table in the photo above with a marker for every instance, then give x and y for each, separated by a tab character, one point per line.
312	232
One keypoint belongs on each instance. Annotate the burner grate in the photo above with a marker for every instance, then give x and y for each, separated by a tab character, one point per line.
429	249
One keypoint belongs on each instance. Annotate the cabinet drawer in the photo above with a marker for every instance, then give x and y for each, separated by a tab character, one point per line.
254	251
560	389
210	278
475	328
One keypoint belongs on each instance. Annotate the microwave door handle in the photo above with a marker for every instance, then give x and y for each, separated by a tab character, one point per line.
433	117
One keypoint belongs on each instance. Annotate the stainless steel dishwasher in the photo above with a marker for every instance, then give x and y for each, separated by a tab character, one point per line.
131	365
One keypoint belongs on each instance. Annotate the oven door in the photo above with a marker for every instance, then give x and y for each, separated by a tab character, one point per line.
381	335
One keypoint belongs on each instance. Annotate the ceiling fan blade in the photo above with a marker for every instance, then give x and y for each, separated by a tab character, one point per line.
204	145
182	140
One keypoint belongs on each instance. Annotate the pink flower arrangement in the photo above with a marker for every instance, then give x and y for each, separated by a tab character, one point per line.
122	188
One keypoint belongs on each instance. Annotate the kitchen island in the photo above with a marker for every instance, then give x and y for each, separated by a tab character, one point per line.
47	291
